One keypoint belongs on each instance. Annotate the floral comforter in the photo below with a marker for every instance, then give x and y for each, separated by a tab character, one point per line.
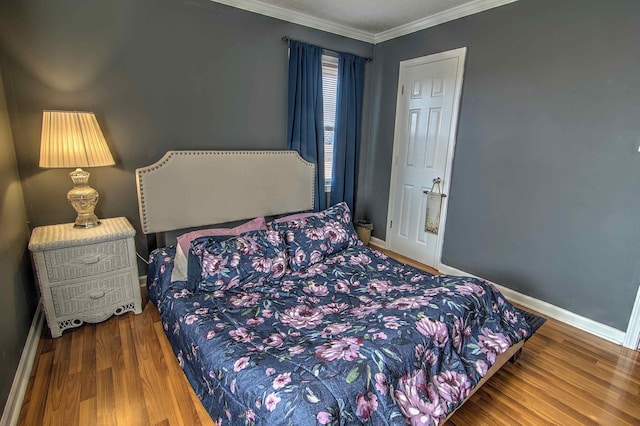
357	339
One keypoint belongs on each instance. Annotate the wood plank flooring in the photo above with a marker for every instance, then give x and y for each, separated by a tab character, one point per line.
123	372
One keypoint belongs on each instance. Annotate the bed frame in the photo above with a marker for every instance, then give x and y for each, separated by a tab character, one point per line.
186	189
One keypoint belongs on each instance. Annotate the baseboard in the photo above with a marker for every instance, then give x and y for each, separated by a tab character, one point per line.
590	326
378	242
142	279
21	379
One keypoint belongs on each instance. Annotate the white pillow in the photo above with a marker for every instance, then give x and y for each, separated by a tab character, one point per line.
179	266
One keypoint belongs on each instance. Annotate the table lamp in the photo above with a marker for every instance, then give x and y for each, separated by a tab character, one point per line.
73	139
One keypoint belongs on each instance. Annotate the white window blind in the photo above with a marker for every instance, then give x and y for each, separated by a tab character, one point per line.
329	90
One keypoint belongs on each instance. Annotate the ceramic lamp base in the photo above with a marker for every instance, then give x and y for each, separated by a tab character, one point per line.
83	198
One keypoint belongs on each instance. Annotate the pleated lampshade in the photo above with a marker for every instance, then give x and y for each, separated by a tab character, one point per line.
73	139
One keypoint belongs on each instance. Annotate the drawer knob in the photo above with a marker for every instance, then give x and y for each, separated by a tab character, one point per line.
97	295
91	259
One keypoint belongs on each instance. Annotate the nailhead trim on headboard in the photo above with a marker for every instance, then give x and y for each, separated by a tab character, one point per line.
143	173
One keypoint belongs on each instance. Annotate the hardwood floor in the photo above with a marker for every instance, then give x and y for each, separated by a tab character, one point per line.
406	260
120	372
123	372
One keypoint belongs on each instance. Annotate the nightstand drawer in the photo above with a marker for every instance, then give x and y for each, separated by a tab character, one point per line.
87	296
84	261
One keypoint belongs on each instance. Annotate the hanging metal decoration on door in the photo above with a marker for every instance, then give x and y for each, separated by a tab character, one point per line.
434	207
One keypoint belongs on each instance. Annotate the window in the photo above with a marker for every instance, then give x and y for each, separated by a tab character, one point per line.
329	90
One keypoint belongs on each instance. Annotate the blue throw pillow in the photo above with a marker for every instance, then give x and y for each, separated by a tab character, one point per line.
221	263
310	240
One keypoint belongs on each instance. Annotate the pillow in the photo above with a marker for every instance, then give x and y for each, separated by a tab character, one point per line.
159	285
184	240
315	237
179	272
182	248
293	217
221	264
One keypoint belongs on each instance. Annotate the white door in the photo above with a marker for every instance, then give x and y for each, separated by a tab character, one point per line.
426	120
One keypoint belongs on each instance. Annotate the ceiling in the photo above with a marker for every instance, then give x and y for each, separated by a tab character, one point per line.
372	21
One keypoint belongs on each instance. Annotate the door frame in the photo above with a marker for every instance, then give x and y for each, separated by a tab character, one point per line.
460	54
632	336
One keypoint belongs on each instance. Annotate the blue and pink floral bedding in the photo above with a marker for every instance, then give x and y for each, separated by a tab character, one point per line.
352	337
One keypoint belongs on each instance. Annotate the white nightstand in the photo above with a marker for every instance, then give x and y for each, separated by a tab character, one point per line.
86	275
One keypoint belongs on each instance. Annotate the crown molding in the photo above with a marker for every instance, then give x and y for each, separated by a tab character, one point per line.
457	12
299	18
303	19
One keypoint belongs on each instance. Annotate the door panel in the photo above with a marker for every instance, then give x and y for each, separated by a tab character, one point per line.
426	100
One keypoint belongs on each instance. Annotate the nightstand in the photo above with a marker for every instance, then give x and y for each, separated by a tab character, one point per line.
86	275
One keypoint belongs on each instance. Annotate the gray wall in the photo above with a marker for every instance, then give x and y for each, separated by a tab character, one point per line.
545	182
17	290
159	74
545	191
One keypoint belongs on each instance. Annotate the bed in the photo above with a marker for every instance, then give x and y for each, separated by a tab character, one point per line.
296	321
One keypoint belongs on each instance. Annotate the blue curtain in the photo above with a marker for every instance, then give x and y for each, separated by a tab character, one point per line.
346	145
305	122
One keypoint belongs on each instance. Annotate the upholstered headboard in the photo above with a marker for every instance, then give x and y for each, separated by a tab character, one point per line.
187	189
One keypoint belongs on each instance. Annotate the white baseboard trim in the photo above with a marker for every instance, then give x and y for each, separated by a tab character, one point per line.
378	242
630	339
21	379
142	280
590	326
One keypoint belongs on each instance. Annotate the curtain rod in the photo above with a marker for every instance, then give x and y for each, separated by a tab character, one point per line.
286	40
